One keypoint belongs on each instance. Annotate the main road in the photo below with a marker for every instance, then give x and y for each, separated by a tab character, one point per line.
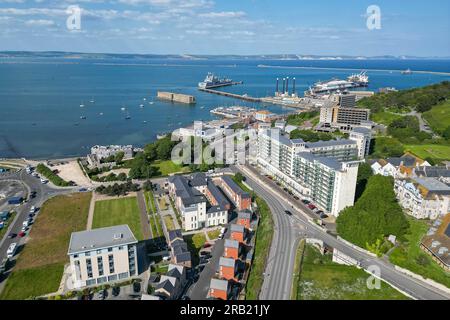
289	229
43	193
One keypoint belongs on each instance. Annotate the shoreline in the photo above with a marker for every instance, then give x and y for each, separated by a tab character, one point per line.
353	69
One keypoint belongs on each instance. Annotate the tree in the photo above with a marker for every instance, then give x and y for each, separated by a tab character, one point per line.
374	216
164	149
119	157
446	133
364	173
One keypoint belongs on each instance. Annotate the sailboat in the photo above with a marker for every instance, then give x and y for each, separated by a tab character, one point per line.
141	105
82	105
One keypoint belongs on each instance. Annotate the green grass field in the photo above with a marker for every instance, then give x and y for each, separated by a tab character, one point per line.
322	279
438	117
116	212
435	151
384	117
39	268
406	255
214	234
168	167
168	221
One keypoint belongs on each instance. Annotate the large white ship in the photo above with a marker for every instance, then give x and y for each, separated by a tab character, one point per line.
212	81
353	81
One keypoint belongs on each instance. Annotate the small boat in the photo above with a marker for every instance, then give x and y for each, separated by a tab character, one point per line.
145	99
123	109
407	71
101	113
202	107
127	118
81	105
145	121
76	124
92	101
83	117
141	105
151	102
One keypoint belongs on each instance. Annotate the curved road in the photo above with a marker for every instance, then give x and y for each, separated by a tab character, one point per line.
278	275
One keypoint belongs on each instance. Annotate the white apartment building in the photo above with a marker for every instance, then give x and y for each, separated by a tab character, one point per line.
423	198
106	151
323	172
189	194
362	136
102	255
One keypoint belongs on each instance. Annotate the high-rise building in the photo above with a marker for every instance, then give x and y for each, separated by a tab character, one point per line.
324	171
362	136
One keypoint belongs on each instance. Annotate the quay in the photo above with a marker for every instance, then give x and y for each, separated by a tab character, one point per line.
232	95
176	97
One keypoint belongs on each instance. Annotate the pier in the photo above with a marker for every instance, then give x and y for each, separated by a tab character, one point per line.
232	95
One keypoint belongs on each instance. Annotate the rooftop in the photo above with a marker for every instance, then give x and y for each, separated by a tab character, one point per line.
330	143
231	243
244	215
328	162
227	262
219	284
437	241
433	185
100	238
236	228
230	182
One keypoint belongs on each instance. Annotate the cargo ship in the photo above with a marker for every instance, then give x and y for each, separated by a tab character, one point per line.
333	85
212	81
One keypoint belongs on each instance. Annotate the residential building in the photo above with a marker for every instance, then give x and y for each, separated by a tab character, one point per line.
321	171
106	151
363	137
237	232
345	117
178	249
347	101
265	116
102	255
280	124
227	268
231	249
244	218
171	284
241	199
199	202
437	242
219	289
441	173
423	198
398	167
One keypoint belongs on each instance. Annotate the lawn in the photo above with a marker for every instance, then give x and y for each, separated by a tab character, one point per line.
322	279
150	201
384	117
169	223
116	212
168	167
438	117
39	268
407	255
435	151
163	204
195	242
214	234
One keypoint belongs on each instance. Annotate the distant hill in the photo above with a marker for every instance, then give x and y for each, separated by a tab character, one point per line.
81	55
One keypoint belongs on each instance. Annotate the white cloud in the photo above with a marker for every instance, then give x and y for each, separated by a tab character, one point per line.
40	23
223	14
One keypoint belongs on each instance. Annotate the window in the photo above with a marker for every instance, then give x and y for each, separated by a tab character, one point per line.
123	275
75	256
110	249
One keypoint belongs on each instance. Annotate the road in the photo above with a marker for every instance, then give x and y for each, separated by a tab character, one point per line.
44	192
278	275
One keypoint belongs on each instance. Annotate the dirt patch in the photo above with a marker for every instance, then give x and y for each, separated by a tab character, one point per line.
71	171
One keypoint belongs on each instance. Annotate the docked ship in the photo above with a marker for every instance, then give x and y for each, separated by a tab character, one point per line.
353	81
212	81
407	71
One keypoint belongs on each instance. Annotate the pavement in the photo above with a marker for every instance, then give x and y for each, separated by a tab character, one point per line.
278	274
44	192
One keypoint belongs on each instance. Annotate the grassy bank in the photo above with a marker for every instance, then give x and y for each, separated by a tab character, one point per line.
409	255
116	212
39	268
322	279
167	167
438	117
434	151
264	235
297	269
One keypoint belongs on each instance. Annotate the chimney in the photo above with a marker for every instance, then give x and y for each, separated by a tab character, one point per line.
293	91
287	85
284	85
276	91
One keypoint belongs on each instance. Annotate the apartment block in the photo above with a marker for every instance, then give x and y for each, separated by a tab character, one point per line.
241	199
102	255
199	201
362	137
322	171
423	198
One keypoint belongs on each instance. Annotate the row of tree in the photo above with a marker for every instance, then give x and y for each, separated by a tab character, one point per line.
118	189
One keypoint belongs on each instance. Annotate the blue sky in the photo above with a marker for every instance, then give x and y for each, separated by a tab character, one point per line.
321	27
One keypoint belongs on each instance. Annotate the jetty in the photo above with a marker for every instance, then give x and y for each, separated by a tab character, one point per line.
232	95
176	97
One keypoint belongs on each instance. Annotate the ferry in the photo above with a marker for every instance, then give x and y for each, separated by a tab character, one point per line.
407	71
212	81
353	81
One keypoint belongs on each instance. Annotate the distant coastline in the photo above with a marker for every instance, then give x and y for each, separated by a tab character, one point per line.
353	69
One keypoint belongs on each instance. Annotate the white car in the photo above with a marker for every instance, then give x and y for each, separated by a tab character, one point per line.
33	209
11	250
43	181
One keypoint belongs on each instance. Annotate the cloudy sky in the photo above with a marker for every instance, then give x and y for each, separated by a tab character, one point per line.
322	27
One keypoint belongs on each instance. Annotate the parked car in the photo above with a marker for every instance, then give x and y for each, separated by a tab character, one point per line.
296	198
311	206
82	190
203	260
207	245
12	235
319	212
288	212
305	201
33	209
323	216
22	234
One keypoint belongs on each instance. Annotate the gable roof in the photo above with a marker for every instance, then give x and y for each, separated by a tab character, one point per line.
227	262
237	228
219	284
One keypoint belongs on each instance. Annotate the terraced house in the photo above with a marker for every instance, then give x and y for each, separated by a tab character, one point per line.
324	171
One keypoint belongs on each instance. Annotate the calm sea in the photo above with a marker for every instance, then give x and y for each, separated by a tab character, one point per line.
40	98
